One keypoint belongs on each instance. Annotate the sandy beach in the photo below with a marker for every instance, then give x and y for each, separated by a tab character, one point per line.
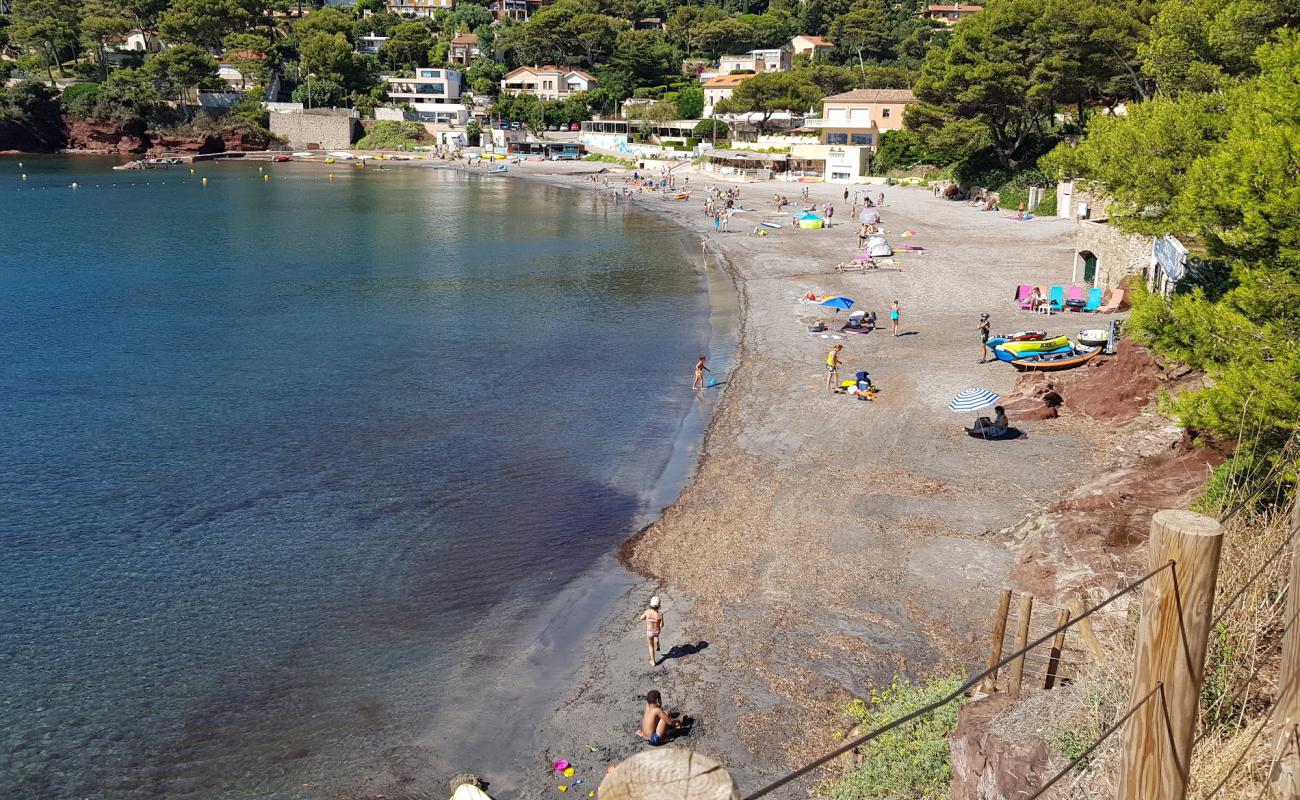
826	543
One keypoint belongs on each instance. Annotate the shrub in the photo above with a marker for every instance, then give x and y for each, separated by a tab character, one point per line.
389	135
911	761
708	128
81	99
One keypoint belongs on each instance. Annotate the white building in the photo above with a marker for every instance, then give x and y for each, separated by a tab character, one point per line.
370	44
776	59
548	82
719	89
815	47
434	93
419	8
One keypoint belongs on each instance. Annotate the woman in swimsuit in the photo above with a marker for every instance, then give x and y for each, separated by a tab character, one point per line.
893	317
654	625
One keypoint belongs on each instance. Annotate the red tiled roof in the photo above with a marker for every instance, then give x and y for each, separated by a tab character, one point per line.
816	41
466	38
972	9
725	81
875	96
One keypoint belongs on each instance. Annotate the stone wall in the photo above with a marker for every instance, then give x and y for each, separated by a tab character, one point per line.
1118	254
317	130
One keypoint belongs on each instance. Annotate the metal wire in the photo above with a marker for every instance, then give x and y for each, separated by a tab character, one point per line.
961	690
1119	723
1241	592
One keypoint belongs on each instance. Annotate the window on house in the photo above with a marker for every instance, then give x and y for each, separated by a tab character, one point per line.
837	138
884	112
860	138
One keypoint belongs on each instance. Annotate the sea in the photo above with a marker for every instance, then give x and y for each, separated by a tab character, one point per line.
304	466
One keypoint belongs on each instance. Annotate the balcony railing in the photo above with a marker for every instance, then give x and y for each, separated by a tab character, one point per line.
846	124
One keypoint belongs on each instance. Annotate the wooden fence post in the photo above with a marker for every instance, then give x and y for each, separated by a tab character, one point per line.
1022	639
668	773
1285	780
1058	644
1177	607
1084	626
990	683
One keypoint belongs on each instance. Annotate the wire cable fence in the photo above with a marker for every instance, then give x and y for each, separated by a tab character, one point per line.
956	694
1156	692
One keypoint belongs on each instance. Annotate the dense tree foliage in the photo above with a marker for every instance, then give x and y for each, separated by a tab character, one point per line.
1218	169
771	92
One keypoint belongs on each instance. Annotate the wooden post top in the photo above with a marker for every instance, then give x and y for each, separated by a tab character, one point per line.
1188	523
669	773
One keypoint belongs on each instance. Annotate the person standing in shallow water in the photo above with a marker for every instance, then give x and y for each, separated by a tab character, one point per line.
700	369
654	625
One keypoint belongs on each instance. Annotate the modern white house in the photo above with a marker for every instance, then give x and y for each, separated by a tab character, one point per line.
434	93
370	44
548	83
776	59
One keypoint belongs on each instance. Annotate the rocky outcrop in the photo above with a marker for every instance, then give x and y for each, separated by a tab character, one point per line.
96	136
987	765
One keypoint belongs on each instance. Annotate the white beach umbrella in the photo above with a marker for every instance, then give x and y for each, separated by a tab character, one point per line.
972	399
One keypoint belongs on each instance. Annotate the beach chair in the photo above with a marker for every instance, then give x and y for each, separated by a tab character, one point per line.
1074	298
1023	292
1113	304
1094	299
1058	298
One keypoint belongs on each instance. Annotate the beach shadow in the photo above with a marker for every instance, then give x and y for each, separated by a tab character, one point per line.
684	650
909	333
1011	435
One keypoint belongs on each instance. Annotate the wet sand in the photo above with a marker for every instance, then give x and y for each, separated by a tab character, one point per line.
826	543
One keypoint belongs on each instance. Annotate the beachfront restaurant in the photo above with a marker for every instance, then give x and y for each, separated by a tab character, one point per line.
551	151
744	165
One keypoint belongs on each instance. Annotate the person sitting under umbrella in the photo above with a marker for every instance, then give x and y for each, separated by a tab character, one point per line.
991	429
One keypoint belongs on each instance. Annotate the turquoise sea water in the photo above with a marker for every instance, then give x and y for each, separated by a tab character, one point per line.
281	457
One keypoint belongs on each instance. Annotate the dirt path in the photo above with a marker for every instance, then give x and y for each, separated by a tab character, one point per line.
828	543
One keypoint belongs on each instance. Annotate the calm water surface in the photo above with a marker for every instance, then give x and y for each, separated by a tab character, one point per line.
280	458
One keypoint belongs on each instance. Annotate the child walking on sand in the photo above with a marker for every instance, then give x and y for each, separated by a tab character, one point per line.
700	369
654	625
893	317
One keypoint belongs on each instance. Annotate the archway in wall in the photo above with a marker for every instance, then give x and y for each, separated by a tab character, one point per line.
1085	266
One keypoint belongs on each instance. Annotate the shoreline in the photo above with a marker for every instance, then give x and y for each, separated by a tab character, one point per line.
788	563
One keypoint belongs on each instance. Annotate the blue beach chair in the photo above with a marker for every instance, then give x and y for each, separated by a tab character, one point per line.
1094	299
1058	298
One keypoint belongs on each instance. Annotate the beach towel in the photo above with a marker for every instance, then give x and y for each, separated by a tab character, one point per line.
1017	218
911	248
769	224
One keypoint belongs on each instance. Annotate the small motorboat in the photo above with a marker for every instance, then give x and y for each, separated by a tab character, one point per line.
282	158
1094	337
1076	355
1010	351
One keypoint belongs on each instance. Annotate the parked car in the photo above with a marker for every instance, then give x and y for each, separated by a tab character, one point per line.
576	126
552	127
514	125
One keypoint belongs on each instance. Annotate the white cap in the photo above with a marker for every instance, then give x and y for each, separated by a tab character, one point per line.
654	601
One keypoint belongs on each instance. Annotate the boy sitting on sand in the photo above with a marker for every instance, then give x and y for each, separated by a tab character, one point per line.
655	722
